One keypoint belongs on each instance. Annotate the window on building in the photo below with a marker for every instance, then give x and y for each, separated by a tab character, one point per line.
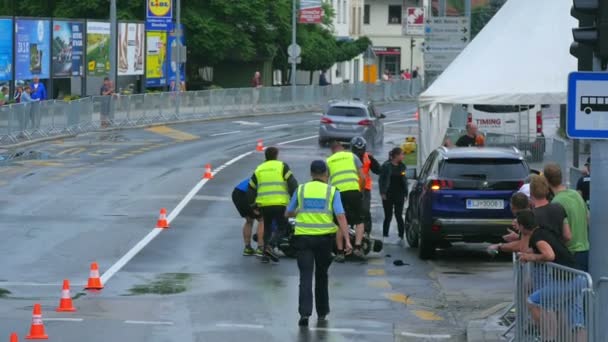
392	63
366	11
394	14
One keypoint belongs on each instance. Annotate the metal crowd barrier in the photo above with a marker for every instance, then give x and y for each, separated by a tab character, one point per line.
553	303
28	121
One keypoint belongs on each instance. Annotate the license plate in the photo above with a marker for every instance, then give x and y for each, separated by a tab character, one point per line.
344	126
485	204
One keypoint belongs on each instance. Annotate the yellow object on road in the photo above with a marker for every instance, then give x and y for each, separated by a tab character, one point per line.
409	146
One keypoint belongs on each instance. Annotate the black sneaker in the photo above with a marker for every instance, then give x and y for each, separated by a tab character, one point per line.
303	322
265	259
322	318
269	253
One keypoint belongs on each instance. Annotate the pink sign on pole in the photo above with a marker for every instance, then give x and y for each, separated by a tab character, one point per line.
311	12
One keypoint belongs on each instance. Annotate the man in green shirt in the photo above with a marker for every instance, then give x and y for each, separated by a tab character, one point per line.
576	211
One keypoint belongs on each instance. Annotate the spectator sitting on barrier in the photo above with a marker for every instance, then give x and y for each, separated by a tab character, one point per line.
555	289
519	202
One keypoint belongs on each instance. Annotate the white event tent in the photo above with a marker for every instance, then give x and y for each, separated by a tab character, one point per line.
522	56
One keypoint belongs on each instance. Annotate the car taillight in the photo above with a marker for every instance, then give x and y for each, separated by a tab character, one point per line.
441	185
539	122
435	228
469	118
365	122
325	120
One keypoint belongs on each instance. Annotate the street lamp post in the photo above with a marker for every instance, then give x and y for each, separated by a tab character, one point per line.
113	41
294	57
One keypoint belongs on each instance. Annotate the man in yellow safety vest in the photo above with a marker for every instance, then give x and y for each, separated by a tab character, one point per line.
314	206
270	188
345	172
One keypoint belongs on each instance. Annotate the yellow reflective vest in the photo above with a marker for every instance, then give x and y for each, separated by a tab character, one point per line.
315	211
271	184
343	172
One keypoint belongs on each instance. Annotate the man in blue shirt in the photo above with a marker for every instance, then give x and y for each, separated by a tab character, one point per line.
239	198
38	90
316	206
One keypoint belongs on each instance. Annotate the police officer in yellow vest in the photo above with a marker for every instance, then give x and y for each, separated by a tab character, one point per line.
270	188
345	172
314	206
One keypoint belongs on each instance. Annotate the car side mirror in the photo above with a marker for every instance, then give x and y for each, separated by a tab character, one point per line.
382	116
411	173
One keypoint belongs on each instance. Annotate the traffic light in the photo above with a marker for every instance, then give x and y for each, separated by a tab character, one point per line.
591	37
412	43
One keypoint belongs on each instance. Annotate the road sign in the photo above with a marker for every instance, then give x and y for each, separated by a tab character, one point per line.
443	48
587	115
414	21
440	58
449	39
448	21
298	60
445	37
183	53
294	50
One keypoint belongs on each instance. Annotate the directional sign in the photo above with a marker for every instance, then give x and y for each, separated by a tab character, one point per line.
440	58
440	31
587	116
448	21
442	48
446	37
449	40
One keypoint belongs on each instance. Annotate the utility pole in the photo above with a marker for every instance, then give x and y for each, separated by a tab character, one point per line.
113	41
178	41
293	43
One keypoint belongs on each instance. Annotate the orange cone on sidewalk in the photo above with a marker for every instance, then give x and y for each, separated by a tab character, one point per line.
260	146
208	174
94	279
65	303
14	337
162	219
37	328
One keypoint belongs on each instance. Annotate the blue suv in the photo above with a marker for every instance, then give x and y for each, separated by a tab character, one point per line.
463	195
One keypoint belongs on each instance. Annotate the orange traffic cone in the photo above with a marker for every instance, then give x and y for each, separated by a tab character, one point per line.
94	279
208	174
14	337
162	219
65	303
37	328
260	146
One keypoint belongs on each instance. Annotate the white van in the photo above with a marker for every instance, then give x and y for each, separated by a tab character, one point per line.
520	126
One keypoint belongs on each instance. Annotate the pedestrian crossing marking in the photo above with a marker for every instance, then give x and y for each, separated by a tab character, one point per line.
375	272
172	133
379	284
427	315
399	298
72	151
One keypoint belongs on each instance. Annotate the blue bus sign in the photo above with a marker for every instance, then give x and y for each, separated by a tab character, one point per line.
587	116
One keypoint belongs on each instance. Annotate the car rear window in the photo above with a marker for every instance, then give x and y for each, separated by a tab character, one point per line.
346	111
502	109
484	169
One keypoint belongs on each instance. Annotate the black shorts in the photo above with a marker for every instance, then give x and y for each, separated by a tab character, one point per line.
352	201
239	199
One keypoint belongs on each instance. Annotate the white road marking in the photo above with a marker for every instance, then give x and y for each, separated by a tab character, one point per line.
9	283
276	126
237	325
431	337
317	114
149	322
398	121
312	121
296	140
247	123
63	319
393	111
154	233
351	331
225	133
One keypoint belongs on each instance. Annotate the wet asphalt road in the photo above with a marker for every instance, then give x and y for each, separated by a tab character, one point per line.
94	197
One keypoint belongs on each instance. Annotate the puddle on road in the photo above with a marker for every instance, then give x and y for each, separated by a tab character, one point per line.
4	293
164	284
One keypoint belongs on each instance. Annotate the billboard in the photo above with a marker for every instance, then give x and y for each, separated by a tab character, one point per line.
33	49
6	50
172	65
159	14
98	48
130	49
414	21
311	12
156	59
68	49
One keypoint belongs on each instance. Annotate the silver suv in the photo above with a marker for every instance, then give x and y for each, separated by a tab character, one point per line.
343	120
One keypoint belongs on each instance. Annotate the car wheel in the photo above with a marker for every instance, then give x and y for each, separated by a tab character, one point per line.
426	249
410	229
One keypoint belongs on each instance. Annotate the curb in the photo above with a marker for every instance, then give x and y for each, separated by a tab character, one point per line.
489	327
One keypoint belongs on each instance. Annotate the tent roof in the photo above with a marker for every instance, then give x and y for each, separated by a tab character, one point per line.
520	57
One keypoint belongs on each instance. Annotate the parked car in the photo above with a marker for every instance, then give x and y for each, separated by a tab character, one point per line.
463	195
505	125
343	120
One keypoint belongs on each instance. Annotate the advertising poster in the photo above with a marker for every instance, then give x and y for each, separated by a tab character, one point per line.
159	15
156	59
6	50
311	12
130	49
68	49
33	49
98	48
414	21
172	42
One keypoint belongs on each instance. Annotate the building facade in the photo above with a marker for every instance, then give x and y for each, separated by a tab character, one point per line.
348	24
384	24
